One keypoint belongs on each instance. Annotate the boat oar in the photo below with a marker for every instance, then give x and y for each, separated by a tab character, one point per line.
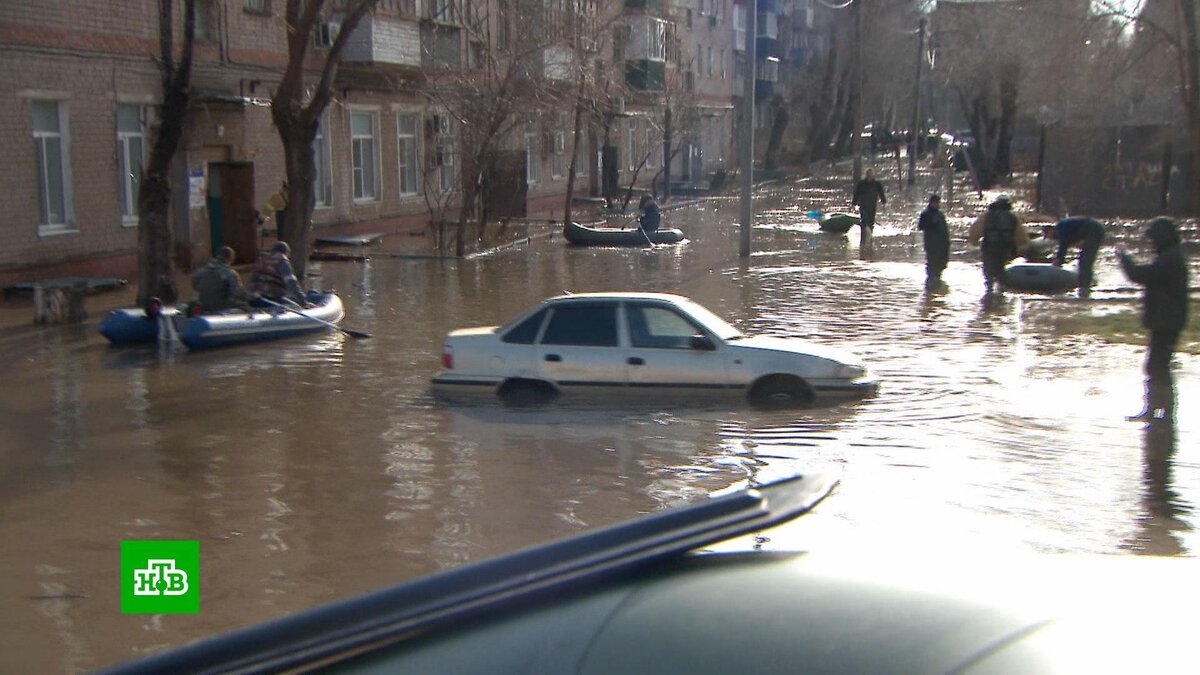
347	331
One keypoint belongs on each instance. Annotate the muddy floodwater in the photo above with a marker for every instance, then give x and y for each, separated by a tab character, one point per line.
320	467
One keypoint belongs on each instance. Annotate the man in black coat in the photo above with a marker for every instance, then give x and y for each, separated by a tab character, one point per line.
868	194
1088	235
932	224
1164	312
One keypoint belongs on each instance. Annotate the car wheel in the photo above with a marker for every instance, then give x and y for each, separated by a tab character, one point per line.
780	390
527	391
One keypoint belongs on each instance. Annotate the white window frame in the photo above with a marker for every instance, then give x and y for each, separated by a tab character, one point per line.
631	143
357	172
581	156
405	138
652	156
63	134
323	176
128	181
533	159
558	154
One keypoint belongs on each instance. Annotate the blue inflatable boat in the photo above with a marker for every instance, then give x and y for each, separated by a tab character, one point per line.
133	326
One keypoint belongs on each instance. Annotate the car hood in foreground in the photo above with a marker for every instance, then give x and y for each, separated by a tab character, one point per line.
796	346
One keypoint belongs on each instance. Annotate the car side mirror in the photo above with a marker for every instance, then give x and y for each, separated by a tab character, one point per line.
702	343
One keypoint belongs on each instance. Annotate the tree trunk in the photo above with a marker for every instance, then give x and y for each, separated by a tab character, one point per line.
775	138
300	161
156	237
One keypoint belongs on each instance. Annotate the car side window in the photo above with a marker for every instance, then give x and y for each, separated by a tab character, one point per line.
526	331
659	328
583	325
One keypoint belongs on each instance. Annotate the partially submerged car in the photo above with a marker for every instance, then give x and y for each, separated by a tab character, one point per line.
596	343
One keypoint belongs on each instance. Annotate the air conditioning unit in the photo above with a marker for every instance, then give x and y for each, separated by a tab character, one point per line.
326	33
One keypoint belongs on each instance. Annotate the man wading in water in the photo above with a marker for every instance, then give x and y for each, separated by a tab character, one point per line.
868	194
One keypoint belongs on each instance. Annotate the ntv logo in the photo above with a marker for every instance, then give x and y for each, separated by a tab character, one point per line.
160	577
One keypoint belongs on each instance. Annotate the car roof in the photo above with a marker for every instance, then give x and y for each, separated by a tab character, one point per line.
620	295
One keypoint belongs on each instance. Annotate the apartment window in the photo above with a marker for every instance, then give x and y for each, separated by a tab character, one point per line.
581	156
722	64
400	7
651	155
533	159
710	62
365	155
631	139
206	21
323	177
131	154
406	144
558	155
258	6
50	141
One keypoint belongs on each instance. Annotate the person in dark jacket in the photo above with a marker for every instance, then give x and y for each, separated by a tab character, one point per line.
1088	235
218	287
651	216
932	224
1000	235
274	278
1164	311
868	194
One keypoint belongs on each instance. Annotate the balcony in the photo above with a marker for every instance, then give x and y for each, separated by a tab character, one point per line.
385	40
646	75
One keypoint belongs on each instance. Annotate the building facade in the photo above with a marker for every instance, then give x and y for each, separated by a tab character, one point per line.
85	87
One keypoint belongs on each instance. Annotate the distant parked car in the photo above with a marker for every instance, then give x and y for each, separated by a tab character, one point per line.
630	342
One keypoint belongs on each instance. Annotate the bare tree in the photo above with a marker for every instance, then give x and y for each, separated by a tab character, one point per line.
1166	41
296	111
505	82
156	239
1000	58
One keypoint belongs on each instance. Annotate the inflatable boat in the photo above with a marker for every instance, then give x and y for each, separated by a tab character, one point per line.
586	235
130	326
1041	277
838	223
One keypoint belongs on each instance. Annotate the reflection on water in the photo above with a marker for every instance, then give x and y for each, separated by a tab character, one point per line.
316	468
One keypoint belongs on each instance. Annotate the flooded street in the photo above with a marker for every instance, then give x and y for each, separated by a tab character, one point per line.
317	468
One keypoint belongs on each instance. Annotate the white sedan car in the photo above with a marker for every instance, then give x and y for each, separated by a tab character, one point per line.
649	342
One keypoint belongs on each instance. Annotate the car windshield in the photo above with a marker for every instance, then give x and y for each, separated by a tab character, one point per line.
718	326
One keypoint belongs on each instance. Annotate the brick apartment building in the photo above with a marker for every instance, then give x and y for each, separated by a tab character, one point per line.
83	85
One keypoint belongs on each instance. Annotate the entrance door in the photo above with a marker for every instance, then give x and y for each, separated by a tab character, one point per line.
231	213
505	184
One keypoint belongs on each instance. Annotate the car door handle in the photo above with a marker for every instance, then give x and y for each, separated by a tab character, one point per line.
636	361
553	357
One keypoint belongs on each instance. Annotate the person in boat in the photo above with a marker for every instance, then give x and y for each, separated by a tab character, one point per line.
868	195
1088	235
1164	312
218	286
650	215
274	278
1000	235
936	234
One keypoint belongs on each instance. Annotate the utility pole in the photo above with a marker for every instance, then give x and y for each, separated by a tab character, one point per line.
916	125
859	77
747	140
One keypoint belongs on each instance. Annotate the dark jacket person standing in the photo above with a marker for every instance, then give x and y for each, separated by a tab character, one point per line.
1000	234
868	194
1088	234
1164	310
932	224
